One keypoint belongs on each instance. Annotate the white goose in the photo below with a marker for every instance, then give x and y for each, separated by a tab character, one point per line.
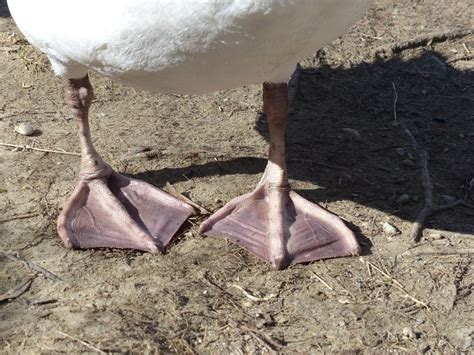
189	46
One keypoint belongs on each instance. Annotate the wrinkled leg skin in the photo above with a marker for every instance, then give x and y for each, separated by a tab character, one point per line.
109	210
273	222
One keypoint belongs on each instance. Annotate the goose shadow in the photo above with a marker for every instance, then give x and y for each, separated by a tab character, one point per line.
4	11
342	137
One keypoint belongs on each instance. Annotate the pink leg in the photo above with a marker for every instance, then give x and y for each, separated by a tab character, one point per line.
274	222
108	209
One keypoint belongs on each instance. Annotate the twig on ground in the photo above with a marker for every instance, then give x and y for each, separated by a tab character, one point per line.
429	207
227	295
32	266
449	234
142	153
322	281
39	149
271	345
22	113
395	283
437	251
83	342
395	100
22	216
426	40
172	191
16	291
252	297
460	271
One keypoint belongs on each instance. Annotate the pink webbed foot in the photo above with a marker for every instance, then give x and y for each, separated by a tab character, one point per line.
273	222
281	227
114	211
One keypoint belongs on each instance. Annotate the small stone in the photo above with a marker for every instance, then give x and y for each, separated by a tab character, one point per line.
440	119
461	135
436	236
419	321
389	228
266	321
408	333
352	133
404	198
138	149
401	151
423	347
408	162
24	129
343	300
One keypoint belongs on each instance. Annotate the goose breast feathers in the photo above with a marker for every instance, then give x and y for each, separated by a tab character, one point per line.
183	46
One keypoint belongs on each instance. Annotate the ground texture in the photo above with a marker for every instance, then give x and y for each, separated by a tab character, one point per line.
348	149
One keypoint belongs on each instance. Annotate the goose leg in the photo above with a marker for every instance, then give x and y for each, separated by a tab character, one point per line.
274	222
107	209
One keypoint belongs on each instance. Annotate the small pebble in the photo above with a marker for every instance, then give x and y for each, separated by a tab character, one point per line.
408	162
419	321
461	135
138	149
436	236
352	133
343	300
24	129
267	321
404	198
423	347
440	119
408	333
390	228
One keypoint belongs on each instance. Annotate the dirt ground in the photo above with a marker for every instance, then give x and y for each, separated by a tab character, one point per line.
206	295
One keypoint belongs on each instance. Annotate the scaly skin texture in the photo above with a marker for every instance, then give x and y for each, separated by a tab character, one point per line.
110	210
274	222
79	95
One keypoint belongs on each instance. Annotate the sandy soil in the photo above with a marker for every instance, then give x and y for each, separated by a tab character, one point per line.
209	296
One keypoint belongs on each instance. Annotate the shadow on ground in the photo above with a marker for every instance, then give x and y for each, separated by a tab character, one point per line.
4	11
434	100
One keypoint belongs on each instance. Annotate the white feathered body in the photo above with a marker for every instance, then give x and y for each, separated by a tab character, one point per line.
183	46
